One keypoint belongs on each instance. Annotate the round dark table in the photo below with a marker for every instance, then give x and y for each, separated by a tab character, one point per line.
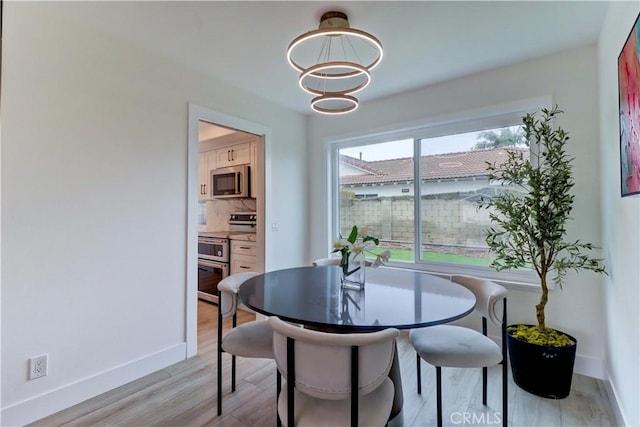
391	298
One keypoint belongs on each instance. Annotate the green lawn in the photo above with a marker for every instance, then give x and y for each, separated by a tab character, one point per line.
408	255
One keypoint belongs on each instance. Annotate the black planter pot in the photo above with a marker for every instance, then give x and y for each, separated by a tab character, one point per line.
542	370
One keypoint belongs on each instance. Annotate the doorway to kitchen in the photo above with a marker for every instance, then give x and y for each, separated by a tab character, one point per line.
206	120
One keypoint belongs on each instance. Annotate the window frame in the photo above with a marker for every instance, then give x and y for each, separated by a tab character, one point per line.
471	121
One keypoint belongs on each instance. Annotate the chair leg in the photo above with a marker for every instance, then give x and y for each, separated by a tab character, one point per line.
233	358
355	381
291	380
233	374
484	386
219	380
418	373
505	394
278	388
220	325
439	394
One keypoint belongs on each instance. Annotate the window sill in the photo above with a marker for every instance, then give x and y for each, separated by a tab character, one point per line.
522	281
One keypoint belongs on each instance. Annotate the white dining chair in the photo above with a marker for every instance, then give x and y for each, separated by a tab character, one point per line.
333	379
251	339
462	347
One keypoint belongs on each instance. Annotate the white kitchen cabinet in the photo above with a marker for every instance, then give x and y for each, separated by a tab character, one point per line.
233	155
243	256
254	171
206	162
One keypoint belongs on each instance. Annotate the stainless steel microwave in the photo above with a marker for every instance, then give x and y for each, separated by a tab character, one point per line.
230	182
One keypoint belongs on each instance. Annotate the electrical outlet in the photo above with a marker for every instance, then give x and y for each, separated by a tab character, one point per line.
38	366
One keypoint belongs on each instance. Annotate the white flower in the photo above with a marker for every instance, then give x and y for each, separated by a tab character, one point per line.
382	258
357	244
339	244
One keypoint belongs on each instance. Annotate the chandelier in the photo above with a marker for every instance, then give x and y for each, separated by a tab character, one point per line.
334	62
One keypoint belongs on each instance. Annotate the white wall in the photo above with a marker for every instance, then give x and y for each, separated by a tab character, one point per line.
578	309
93	199
621	228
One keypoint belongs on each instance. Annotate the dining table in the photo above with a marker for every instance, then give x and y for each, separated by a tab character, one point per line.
391	298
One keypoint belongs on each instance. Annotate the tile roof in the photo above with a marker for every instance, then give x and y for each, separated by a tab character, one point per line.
464	164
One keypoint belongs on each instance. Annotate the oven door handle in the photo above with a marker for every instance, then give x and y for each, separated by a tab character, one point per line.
212	240
208	263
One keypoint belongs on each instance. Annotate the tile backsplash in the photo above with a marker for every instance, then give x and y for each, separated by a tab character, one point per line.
213	214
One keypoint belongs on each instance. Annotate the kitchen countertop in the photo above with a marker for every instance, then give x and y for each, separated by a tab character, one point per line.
234	235
247	237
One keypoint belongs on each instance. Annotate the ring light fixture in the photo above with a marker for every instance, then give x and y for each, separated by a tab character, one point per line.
334	62
336	104
320	75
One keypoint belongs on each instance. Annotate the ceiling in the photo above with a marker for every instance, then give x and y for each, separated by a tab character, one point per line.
207	131
426	42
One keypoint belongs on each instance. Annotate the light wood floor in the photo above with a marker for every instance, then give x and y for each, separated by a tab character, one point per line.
184	394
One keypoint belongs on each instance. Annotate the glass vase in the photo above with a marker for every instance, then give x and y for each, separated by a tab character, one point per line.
352	272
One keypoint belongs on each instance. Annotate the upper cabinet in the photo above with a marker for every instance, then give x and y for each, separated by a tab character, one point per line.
206	162
253	171
233	155
236	149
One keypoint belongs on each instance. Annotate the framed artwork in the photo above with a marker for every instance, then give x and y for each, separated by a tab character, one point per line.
629	111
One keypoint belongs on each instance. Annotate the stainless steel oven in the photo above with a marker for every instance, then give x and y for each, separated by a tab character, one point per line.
210	273
213	248
213	253
213	265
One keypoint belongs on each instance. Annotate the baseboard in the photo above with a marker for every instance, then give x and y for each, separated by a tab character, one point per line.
589	367
612	396
48	403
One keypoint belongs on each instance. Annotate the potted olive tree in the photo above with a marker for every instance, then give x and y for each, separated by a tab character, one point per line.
528	231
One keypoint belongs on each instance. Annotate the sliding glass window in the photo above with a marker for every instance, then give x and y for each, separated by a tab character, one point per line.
441	230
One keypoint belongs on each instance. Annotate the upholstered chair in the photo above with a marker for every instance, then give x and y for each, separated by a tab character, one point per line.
462	347
333	379
252	339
